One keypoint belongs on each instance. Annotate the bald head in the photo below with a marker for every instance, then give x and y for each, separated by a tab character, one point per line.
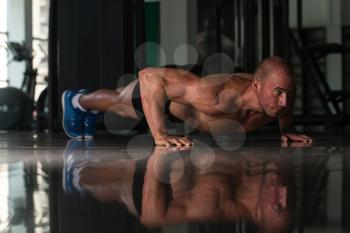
273	65
274	85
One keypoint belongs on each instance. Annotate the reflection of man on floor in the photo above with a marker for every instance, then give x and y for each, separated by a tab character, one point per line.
250	187
218	104
241	187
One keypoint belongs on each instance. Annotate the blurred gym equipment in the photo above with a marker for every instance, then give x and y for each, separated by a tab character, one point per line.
309	55
17	105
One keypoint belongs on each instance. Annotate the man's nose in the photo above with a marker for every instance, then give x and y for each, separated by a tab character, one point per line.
283	100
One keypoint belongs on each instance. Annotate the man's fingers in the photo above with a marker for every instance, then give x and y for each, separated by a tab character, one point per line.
176	142
284	138
307	138
301	138
284	143
185	141
296	138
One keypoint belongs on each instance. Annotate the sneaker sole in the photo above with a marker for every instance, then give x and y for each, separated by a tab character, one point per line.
63	108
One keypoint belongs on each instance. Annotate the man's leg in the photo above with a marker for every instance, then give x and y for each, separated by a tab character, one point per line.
80	108
101	101
118	101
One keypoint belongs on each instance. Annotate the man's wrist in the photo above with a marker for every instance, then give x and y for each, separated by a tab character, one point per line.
160	134
288	129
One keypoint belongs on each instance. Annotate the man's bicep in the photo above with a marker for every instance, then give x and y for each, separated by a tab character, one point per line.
173	81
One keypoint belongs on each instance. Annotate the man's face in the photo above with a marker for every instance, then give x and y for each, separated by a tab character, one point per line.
275	93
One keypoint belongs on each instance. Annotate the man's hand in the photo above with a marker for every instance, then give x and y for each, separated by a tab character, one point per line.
295	144
169	140
295	137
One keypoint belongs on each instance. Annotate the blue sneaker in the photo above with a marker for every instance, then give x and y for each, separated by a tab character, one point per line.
90	125
73	118
89	120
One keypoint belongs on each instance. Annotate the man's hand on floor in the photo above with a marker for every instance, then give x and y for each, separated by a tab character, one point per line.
169	140
296	144
295	137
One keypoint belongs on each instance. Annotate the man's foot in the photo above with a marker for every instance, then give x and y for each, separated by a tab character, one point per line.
89	120
90	125
73	118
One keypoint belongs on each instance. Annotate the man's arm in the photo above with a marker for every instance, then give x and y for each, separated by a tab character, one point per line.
157	85
156	211
287	128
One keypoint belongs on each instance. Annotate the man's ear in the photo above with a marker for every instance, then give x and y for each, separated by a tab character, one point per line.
257	84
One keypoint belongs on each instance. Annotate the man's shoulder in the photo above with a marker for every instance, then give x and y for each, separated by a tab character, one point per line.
240	81
224	81
244	76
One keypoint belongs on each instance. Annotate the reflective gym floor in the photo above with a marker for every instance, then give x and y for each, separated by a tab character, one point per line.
49	183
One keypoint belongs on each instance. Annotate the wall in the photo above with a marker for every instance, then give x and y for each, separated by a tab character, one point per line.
178	23
345	12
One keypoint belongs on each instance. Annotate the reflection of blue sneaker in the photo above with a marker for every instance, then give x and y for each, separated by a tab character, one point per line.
89	153
77	155
73	118
74	160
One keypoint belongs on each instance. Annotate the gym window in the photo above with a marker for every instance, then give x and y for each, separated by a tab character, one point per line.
3	38
38	26
40	43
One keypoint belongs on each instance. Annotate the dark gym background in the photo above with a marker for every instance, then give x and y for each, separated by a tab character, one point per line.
256	29
92	44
